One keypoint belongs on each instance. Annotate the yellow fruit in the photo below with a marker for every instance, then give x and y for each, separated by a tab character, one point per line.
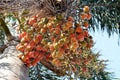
86	9
56	62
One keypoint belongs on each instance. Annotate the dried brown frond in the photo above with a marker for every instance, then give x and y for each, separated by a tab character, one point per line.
42	7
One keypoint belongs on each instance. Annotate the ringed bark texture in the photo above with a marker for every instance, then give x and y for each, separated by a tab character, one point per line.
11	67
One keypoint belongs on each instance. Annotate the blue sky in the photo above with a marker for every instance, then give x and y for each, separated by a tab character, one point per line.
109	49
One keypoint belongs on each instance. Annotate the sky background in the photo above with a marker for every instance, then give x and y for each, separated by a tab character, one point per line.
109	50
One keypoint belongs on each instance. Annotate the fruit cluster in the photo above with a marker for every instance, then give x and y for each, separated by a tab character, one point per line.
63	42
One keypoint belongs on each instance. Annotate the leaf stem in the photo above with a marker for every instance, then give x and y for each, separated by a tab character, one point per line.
6	30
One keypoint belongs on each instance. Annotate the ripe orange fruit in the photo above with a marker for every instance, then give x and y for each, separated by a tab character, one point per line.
80	37
74	61
86	34
86	24
49	25
43	30
35	25
89	16
28	47
86	9
78	30
20	47
38	38
36	16
84	69
74	40
26	59
59	55
32	43
39	48
70	18
89	46
74	46
27	37
36	53
57	31
52	29
56	62
83	16
25	44
59	25
72	35
31	54
32	21
22	35
52	48
68	25
65	46
86	61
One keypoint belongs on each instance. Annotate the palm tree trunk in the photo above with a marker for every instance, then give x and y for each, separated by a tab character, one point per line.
11	67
